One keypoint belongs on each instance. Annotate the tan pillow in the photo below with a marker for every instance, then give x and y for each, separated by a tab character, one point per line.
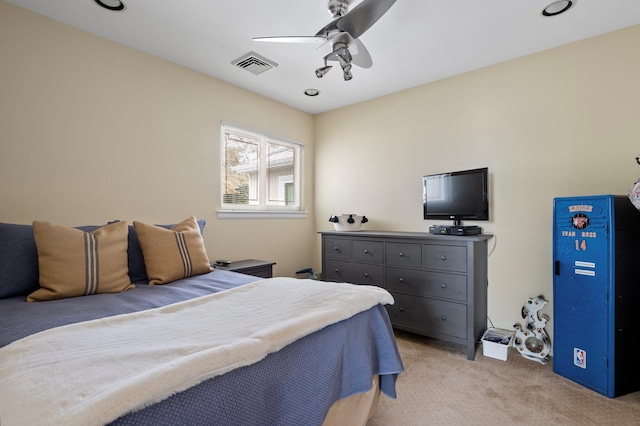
172	254
77	263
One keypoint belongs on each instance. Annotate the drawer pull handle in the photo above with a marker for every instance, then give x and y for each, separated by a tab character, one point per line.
401	280
366	275
401	309
336	270
336	249
443	285
443	257
401	254
366	251
443	318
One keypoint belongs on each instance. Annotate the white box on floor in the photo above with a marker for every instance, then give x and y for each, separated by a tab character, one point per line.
496	343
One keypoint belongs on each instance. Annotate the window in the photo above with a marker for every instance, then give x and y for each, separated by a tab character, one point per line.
259	173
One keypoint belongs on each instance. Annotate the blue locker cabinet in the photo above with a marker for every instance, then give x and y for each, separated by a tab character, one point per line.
596	292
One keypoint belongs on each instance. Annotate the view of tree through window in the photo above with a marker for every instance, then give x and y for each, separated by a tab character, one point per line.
241	162
259	172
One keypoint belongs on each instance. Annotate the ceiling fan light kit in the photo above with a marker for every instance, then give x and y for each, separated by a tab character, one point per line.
343	33
322	71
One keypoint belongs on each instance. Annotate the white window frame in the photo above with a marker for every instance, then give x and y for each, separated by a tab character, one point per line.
262	209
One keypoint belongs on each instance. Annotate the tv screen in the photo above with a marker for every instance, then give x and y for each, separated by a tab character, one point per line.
459	196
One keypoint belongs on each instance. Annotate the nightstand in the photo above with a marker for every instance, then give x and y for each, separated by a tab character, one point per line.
257	268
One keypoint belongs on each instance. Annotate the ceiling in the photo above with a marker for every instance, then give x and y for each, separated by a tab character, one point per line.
415	42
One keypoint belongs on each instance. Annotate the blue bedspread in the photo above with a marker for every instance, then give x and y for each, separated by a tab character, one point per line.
19	319
294	386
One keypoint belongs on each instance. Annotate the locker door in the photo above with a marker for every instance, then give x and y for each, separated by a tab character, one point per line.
582	281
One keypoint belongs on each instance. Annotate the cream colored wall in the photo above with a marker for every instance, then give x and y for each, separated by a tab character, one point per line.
91	131
563	122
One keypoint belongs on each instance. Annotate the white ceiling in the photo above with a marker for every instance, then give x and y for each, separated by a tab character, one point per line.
415	42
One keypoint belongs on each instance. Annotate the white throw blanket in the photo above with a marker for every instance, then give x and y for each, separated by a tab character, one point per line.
93	372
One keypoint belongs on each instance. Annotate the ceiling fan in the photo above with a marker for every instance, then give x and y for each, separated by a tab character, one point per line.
343	33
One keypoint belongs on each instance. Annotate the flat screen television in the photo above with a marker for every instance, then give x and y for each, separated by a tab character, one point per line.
458	196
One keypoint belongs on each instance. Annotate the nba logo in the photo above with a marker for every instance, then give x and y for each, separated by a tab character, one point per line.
579	358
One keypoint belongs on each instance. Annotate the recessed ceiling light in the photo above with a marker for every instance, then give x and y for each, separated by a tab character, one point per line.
312	92
558	7
111	4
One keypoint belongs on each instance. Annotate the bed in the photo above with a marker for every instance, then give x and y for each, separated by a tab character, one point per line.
302	369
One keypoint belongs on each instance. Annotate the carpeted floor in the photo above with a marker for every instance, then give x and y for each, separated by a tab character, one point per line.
441	387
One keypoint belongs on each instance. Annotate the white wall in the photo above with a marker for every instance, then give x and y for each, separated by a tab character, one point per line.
91	131
560	123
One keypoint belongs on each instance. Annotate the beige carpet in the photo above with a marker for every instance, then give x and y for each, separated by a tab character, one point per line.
441	387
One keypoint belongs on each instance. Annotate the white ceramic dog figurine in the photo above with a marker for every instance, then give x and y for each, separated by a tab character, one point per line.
532	341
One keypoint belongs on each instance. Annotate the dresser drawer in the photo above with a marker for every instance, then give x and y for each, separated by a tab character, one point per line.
337	248
355	273
430	315
445	258
425	283
367	251
404	254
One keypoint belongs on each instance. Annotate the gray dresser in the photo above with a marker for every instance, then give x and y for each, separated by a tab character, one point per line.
439	282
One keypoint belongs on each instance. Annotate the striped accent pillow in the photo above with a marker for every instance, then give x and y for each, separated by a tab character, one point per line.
77	263
172	254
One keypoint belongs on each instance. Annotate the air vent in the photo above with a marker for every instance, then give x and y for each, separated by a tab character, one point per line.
254	63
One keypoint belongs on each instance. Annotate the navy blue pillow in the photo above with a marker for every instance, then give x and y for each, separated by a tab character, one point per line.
19	274
18	260
137	269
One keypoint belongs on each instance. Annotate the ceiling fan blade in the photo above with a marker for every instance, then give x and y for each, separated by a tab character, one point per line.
293	39
361	57
328	29
363	16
